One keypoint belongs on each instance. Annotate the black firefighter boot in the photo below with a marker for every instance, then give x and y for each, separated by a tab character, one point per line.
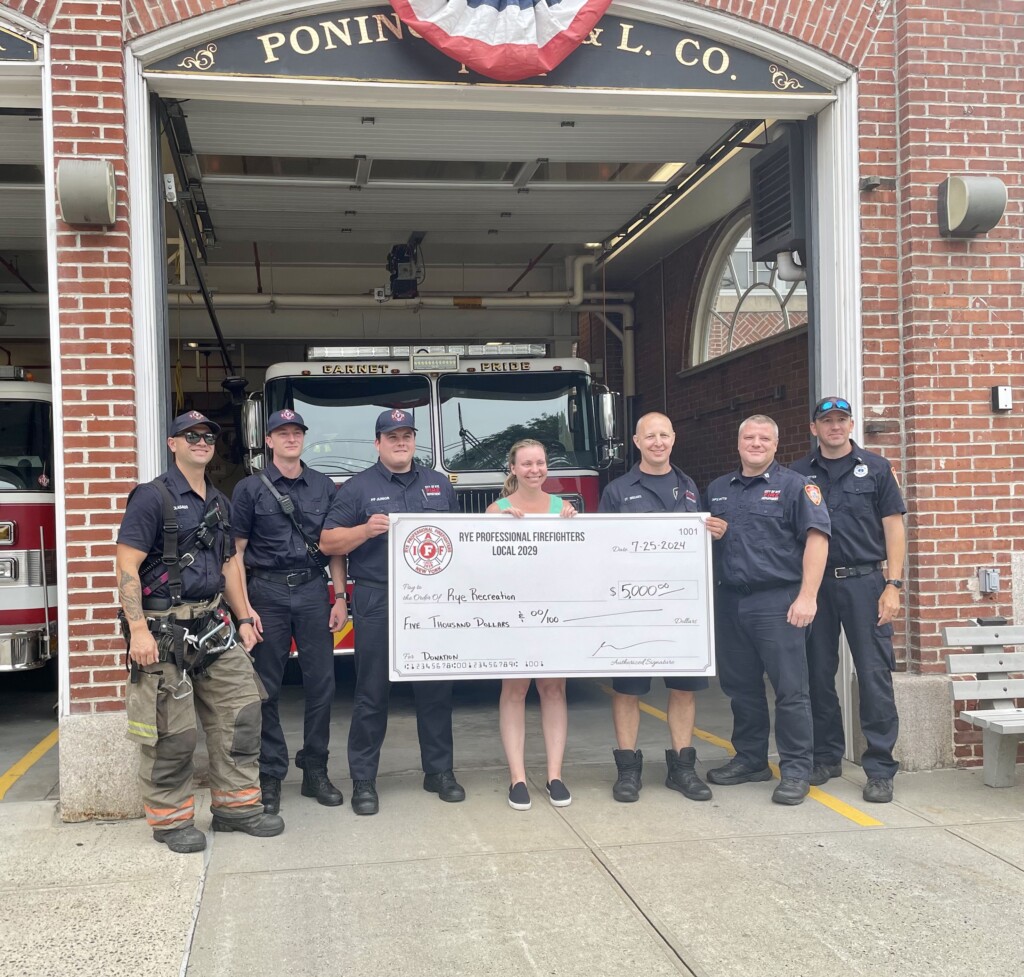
315	783
683	777
270	787
630	765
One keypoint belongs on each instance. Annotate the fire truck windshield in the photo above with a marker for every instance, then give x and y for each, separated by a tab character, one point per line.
26	446
340	412
482	415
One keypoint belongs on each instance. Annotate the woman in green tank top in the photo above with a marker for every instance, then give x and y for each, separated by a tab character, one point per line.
523	495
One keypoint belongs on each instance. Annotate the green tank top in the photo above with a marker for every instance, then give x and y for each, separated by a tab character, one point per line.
555	508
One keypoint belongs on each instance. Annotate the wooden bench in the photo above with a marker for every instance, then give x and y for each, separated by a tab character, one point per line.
1002	725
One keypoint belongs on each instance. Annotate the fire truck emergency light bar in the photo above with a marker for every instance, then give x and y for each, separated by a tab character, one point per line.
401	352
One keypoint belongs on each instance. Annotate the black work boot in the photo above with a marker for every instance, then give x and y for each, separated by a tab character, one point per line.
270	787
259	825
683	777
630	764
445	786
181	840
315	783
364	797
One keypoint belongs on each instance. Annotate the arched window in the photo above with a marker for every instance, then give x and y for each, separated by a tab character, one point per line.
740	302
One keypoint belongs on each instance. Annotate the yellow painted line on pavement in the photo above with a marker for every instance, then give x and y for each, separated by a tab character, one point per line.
817	794
11	777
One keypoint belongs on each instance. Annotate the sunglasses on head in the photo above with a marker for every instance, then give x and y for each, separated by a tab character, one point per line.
194	437
838	404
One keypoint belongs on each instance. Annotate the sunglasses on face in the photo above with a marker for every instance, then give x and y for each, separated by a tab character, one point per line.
194	437
828	405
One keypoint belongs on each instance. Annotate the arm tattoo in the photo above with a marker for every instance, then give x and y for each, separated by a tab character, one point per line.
129	589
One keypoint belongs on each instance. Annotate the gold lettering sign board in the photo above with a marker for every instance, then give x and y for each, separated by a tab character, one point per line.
373	44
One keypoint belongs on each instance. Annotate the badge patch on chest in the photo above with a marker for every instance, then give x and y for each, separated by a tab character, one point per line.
771	495
691	497
432	491
813	493
860	471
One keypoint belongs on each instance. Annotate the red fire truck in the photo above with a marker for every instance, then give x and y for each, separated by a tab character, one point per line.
28	583
470	402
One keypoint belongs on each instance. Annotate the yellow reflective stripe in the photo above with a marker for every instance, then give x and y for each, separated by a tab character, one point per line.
147	728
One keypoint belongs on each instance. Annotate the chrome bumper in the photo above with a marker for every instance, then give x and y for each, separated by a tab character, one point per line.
22	650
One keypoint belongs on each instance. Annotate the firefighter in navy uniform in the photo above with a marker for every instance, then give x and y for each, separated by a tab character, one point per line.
867	509
768	567
654	484
174	561
357	526
285	580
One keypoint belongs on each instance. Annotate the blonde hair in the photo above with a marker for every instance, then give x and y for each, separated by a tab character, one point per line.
761	419
511	482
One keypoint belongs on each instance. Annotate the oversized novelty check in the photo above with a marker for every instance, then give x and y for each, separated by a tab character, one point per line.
498	597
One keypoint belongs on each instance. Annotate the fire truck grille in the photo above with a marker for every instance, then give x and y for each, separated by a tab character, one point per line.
34	568
477	500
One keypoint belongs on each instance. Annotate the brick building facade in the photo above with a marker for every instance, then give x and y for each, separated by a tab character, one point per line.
939	91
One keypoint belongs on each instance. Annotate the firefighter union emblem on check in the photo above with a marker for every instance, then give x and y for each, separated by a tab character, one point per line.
427	550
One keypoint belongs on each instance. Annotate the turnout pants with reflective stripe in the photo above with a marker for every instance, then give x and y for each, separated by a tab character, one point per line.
303	612
753	637
853	604
373	690
163	708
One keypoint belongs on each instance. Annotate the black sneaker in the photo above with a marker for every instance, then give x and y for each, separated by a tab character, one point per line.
878	790
364	797
737	772
181	840
791	791
519	797
824	772
558	794
445	786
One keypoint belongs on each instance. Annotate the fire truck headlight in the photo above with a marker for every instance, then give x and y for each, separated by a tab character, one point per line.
6	533
8	569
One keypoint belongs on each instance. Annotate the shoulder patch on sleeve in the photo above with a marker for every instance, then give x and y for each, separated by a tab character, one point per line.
813	493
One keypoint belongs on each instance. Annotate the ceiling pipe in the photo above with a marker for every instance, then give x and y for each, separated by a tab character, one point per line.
626	336
481	300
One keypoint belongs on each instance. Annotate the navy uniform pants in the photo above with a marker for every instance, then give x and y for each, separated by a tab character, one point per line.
852	604
373	691
301	612
752	637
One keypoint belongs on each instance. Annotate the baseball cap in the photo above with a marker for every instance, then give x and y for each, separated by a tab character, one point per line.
828	404
191	419
281	417
392	420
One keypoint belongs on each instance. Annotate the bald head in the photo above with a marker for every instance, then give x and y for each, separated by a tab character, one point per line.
655	439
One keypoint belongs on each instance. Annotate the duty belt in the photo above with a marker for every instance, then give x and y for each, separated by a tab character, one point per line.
372	584
860	570
747	589
293	578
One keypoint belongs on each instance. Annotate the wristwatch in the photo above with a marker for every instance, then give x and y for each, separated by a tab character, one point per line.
245	620
898	584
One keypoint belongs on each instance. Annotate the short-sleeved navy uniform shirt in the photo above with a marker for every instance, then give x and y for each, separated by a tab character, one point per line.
629	493
142	529
860	490
380	490
769	516
256	516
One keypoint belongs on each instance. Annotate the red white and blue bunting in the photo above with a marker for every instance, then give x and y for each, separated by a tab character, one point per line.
506	40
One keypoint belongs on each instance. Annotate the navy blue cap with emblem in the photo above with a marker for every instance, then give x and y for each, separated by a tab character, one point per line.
392	420
190	419
281	417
